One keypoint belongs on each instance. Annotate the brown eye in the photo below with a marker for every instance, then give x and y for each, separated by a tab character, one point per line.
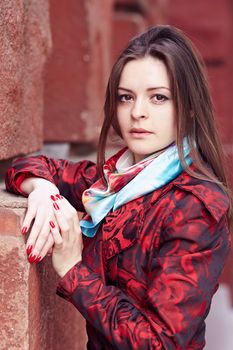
124	98
158	98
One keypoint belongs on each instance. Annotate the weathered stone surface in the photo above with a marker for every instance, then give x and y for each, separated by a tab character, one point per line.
14	271
78	69
156	11
209	33
31	315
24	47
125	26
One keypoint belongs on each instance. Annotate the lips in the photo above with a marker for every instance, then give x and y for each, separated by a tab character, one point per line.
140	131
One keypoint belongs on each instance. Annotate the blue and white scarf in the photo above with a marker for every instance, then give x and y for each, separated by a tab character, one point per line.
125	184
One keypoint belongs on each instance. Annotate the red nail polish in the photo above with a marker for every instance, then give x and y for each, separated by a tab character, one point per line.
24	230
29	249
51	223
53	198
58	196
37	259
31	258
56	206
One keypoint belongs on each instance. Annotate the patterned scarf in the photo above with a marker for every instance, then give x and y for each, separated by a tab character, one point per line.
124	184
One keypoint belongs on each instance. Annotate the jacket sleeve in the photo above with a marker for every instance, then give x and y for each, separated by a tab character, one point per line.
70	178
183	277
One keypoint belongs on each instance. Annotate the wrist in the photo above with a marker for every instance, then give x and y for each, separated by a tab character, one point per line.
62	272
40	182
32	183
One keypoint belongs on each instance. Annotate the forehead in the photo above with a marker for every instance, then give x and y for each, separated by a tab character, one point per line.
146	71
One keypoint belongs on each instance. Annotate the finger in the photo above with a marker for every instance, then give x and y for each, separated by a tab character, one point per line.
30	215
74	232
34	256
73	215
66	204
69	211
41	240
50	251
40	218
58	241
64	223
48	246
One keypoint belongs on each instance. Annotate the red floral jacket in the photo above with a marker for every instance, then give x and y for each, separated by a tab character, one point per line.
147	278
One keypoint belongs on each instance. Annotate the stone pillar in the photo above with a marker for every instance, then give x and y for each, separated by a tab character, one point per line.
77	72
24	47
32	316
156	11
128	21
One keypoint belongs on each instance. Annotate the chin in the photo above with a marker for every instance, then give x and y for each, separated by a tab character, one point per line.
143	151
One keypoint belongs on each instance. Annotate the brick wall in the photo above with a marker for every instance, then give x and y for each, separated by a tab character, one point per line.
77	71
31	315
85	38
25	43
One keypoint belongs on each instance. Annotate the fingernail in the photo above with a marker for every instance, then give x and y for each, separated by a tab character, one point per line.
31	258
56	206
53	198
37	259
51	223
24	230
29	249
59	196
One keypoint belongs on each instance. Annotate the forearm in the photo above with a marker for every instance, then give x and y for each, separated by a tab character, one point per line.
112	312
70	178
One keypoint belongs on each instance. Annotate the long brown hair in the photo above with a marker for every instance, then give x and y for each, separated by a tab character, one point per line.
190	91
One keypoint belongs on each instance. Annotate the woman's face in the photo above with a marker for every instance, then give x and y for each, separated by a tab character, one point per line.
145	109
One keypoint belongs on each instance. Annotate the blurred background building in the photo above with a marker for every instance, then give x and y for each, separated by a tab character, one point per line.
55	60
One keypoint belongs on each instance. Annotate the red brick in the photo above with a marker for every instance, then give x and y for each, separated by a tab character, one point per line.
127	2
77	72
209	32
13	291
221	96
8	222
156	11
32	316
25	43
125	26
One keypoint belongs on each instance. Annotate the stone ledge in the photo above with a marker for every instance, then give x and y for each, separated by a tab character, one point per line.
31	315
9	200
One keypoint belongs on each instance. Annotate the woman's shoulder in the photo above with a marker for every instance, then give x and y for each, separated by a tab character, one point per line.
209	193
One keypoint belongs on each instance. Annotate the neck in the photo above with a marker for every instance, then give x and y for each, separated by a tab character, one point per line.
138	159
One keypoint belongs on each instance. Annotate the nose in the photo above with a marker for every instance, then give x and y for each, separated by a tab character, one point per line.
139	109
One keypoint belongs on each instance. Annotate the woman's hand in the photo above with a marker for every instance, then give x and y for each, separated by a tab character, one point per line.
39	213
67	236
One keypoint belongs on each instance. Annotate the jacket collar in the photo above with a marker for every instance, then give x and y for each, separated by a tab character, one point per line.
212	196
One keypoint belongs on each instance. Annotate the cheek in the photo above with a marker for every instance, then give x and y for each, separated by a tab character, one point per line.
121	119
166	126
164	120
171	127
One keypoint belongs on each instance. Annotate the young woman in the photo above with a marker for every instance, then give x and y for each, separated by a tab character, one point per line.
144	262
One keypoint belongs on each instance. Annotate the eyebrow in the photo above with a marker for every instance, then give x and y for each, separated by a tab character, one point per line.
149	89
